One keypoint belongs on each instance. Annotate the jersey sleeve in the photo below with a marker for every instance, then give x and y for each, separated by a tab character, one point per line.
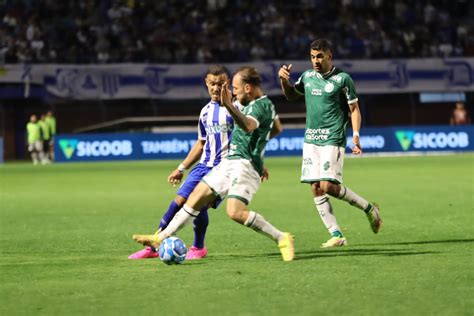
349	90
202	134
262	113
238	105
299	85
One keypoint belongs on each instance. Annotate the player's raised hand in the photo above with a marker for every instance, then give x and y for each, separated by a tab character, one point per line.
265	174
357	149
284	72
175	177
226	95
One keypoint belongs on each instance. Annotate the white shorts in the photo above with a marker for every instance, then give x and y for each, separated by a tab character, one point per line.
236	178
322	163
36	146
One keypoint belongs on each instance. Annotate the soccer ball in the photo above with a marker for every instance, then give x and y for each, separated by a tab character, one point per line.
172	250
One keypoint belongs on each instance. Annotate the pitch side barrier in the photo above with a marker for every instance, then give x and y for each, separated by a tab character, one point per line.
131	146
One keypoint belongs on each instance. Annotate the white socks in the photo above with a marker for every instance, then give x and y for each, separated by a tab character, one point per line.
184	216
34	157
325	212
260	225
353	199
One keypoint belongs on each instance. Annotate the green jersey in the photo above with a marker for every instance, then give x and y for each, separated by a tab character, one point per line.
327	99
251	145
45	130
51	121
34	133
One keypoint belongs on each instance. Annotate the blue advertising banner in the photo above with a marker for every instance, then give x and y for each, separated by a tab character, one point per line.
416	139
102	147
106	147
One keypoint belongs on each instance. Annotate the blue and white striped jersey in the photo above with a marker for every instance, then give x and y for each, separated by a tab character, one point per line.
215	127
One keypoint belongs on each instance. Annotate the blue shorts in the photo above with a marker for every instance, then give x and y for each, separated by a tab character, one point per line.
193	179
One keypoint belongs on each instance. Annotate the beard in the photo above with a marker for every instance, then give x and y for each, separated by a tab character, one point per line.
245	100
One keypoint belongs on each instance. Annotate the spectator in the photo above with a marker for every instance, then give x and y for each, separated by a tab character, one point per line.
172	31
460	116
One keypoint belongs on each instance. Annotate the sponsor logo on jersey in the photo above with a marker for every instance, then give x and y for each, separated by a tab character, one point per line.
329	87
317	133
336	78
310	74
316	92
217	129
326	165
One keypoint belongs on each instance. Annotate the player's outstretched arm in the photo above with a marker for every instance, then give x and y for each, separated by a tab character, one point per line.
287	88
277	127
355	119
194	154
265	174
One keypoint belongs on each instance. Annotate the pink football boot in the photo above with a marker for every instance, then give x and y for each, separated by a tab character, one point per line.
196	253
145	253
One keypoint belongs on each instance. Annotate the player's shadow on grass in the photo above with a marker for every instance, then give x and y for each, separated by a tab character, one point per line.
422	242
326	253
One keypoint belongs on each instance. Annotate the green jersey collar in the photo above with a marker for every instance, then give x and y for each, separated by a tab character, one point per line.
329	73
253	101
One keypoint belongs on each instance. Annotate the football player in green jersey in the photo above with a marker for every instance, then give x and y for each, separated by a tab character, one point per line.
239	176
35	144
45	136
51	121
330	98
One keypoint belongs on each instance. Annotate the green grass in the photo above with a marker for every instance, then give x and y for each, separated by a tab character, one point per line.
66	232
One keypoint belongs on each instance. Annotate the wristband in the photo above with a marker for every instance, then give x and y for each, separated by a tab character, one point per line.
181	168
355	133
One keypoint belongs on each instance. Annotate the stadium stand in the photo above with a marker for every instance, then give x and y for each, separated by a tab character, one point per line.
175	31
94	32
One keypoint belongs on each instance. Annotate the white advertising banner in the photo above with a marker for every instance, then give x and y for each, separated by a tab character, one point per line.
185	81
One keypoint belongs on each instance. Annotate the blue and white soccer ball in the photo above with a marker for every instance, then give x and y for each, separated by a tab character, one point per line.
172	250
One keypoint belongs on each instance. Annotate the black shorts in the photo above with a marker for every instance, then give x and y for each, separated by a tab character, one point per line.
46	146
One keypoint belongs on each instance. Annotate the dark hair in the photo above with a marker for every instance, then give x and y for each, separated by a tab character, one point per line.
322	44
249	75
217	70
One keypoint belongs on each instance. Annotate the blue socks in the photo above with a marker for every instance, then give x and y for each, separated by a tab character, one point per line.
200	228
200	223
170	213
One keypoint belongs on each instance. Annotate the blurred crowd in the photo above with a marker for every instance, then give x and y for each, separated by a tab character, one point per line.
178	31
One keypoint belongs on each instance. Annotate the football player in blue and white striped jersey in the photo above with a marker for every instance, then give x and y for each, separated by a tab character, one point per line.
214	135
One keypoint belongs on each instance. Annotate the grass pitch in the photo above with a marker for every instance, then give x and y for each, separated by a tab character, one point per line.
66	234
